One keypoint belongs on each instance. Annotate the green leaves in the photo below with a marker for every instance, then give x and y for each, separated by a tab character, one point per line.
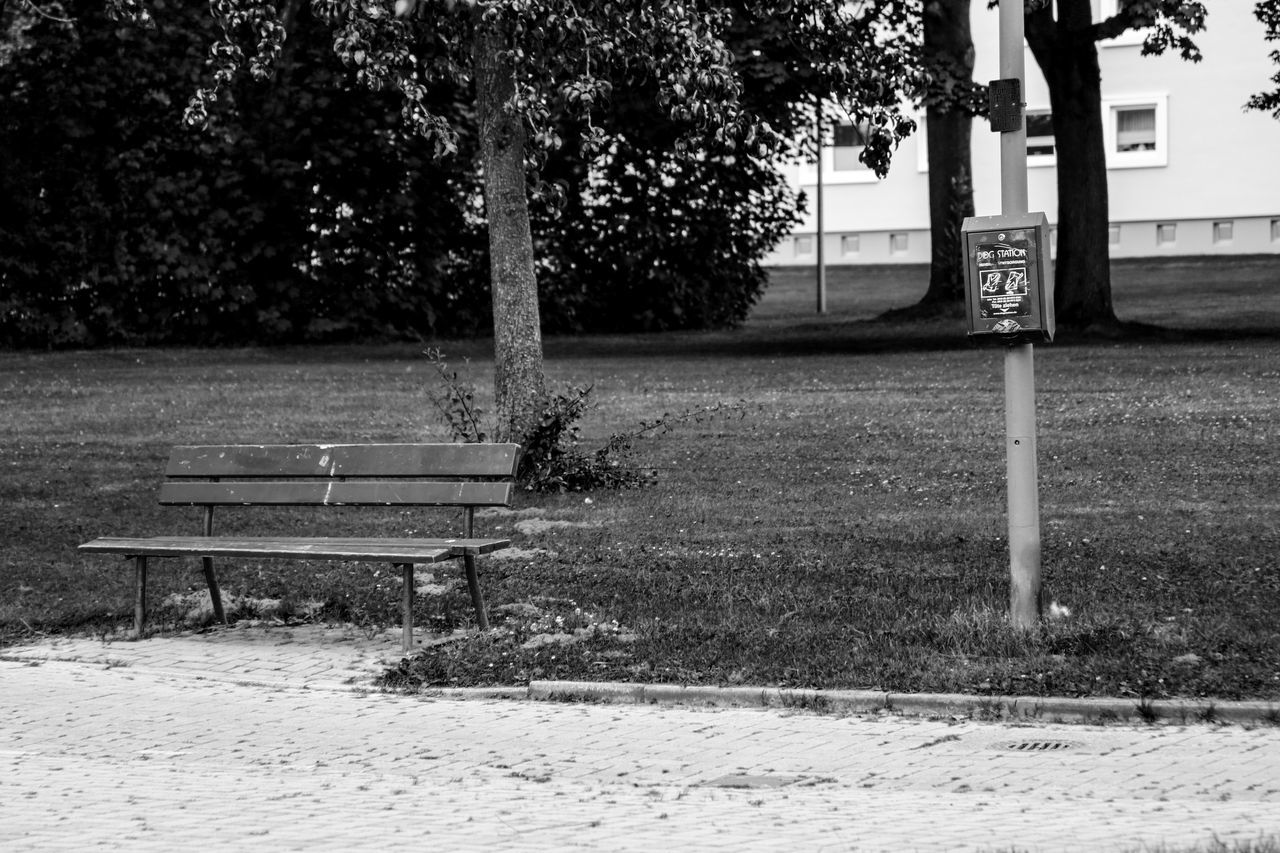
1268	13
130	11
568	57
303	213
1171	24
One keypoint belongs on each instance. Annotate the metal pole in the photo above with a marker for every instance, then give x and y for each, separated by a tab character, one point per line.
1019	364
822	235
1024	501
1013	145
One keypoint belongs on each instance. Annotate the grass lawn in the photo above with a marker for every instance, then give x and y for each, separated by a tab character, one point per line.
843	527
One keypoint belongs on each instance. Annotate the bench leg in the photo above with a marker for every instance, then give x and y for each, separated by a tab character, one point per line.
215	594
477	597
139	595
406	604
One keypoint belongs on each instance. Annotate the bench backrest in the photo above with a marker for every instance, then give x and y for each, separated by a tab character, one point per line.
467	475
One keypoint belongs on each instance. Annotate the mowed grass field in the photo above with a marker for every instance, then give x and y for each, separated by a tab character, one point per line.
843	525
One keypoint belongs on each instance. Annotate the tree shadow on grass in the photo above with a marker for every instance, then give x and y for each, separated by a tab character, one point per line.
876	310
895	332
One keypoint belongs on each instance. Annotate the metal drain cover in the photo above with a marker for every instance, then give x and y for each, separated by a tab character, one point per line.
1037	745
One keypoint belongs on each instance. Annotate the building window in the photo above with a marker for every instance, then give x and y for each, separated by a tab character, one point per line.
850	139
1275	231
1136	130
804	245
1223	231
1166	234
1040	141
850	244
897	244
1113	234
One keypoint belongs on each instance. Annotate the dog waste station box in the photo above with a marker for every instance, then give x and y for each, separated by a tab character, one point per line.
1008	278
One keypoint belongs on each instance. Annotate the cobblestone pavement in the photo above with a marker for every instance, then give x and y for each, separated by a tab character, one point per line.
260	737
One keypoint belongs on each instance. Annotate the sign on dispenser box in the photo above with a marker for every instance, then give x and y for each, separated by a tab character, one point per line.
1008	278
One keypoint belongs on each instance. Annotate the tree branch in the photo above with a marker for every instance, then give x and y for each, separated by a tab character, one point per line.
42	13
1171	22
1111	27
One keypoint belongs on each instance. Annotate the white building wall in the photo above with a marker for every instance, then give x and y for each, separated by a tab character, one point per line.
1217	181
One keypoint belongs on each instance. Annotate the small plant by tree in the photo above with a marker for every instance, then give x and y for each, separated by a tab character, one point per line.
553	458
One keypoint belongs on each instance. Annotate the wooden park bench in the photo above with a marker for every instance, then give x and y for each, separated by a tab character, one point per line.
385	475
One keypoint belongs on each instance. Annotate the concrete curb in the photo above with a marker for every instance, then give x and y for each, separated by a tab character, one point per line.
1042	708
1009	708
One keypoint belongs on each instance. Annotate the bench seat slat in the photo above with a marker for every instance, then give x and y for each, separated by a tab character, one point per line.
473	547
334	493
344	460
389	550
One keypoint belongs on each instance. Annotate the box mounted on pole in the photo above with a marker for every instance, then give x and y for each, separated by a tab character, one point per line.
1008	278
1004	105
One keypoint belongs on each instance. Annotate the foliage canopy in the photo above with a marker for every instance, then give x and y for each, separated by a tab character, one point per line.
307	211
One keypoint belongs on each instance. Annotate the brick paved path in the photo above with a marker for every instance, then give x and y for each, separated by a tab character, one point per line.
126	747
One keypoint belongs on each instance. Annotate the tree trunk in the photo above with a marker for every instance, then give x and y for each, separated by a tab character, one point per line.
948	43
519	381
1068	57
